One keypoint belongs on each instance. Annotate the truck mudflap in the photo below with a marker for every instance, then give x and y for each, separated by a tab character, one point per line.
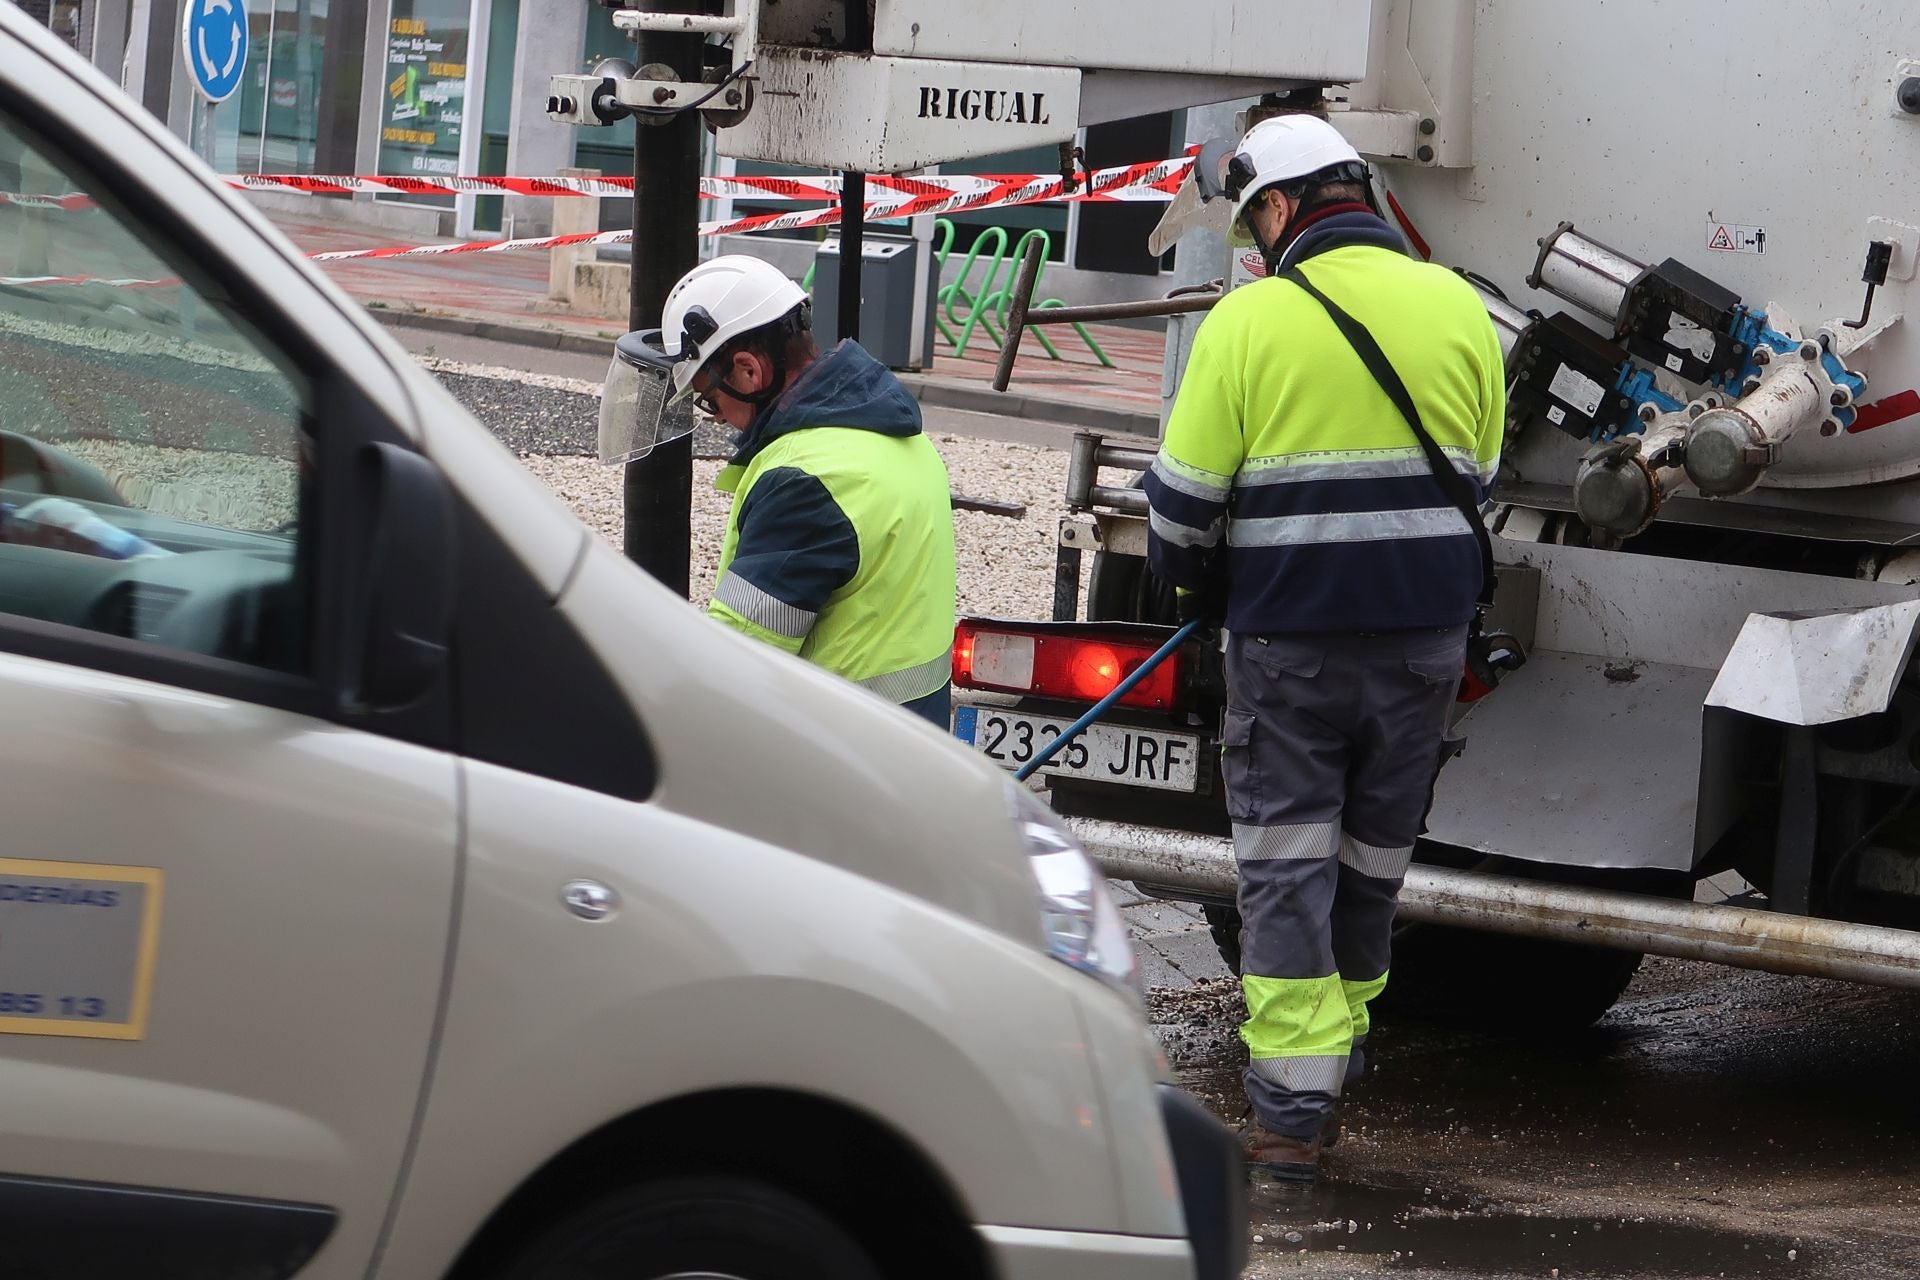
1203	866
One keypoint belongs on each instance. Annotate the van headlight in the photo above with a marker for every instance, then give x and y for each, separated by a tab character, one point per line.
1079	924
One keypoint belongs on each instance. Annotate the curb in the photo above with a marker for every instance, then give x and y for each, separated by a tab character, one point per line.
1072	413
941	392
538	337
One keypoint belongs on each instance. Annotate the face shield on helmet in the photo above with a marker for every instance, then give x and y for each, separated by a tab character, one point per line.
1200	202
645	403
639	410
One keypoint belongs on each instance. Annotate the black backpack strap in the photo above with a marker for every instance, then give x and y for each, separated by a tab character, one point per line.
1451	482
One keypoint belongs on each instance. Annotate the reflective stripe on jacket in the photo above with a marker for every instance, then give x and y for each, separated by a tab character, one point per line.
1287	468
839	546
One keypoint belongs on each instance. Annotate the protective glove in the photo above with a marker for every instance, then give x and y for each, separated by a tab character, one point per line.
1490	655
1209	604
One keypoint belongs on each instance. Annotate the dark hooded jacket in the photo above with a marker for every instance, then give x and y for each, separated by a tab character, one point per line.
839	547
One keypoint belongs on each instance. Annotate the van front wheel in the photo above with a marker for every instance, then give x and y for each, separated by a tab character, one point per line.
725	1228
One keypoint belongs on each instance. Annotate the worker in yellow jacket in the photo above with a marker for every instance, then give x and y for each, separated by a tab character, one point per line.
1294	501
839	545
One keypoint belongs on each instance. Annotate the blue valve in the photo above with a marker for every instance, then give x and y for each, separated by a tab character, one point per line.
1636	385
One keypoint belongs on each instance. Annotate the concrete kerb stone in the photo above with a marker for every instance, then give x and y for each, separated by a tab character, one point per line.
942	392
1073	413
539	337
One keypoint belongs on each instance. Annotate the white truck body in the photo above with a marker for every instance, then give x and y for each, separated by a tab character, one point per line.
1669	724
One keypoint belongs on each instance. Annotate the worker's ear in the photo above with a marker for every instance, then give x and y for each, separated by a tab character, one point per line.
749	372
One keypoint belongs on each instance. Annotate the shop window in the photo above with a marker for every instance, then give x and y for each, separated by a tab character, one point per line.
275	117
423	94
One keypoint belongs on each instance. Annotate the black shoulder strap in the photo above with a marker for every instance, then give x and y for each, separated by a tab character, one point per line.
1451	482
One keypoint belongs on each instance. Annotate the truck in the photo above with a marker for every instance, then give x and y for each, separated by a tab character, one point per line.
1697	231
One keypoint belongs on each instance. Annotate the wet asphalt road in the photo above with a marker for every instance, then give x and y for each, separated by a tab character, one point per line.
1716	1123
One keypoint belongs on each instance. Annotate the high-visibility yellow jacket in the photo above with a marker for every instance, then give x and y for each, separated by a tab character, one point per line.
1286	468
839	546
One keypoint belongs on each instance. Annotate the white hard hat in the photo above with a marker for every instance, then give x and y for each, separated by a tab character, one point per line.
1286	149
715	303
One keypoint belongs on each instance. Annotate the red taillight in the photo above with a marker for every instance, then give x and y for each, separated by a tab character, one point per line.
1076	668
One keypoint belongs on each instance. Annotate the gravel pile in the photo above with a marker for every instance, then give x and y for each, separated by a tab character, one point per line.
538	413
1006	565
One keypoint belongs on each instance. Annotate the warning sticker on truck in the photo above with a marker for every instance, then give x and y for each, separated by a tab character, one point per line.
1736	237
1576	390
77	948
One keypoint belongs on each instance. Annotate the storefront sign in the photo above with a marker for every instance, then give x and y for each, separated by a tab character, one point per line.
425	93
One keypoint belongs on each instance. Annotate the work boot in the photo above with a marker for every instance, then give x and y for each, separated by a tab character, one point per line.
1330	1131
1279	1156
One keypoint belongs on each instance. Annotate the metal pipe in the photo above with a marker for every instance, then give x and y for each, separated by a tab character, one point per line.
1066	583
1730	449
853	235
1131	501
1017	314
1083	468
657	490
1122	310
633	20
1119	455
1737	936
1620	493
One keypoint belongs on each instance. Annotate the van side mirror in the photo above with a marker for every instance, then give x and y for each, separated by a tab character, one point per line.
408	589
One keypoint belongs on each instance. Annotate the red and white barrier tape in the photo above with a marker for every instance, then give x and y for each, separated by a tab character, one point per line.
825	187
904	198
1022	189
738	187
69	202
31	281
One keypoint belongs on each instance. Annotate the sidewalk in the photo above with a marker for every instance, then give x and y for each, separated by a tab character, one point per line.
500	296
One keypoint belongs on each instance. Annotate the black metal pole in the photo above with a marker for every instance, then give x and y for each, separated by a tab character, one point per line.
853	231
658	490
1066	584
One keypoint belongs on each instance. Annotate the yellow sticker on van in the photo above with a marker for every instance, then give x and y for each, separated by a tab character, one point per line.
78	941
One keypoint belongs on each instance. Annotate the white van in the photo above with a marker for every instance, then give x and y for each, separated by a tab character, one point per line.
395	881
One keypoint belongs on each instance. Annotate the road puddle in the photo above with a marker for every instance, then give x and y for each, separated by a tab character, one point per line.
1388	1226
1428	1228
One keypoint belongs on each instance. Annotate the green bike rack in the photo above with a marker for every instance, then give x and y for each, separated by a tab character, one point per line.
942	245
957	294
999	301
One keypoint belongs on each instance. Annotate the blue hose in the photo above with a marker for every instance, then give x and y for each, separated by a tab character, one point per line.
1105	704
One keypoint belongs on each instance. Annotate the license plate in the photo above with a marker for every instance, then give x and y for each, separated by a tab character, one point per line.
1101	753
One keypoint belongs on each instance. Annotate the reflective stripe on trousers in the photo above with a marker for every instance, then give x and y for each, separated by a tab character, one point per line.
1329	748
1315	953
